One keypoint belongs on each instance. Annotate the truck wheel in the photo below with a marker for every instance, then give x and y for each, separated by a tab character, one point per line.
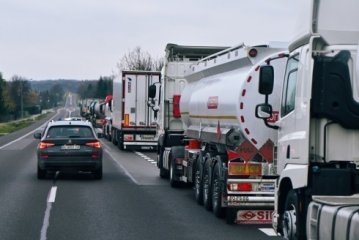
217	193
173	182
231	215
114	137
163	172
207	195
40	173
292	227
198	185
120	145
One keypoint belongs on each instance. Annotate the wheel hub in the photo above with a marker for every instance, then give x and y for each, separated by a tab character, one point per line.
289	224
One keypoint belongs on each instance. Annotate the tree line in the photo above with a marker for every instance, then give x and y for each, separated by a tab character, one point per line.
18	98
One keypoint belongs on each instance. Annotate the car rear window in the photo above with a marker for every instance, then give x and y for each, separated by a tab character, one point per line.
69	132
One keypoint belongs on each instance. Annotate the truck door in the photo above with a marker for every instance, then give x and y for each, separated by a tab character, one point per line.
293	138
136	97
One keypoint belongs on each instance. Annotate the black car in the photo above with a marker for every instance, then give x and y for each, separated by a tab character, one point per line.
69	146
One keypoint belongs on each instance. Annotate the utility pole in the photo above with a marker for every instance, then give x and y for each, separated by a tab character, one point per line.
21	99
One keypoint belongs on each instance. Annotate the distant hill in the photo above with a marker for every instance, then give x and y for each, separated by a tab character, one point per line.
68	85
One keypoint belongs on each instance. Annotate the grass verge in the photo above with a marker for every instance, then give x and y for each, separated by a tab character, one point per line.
9	127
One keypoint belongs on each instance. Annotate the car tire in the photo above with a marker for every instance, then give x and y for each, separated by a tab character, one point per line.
98	173
41	174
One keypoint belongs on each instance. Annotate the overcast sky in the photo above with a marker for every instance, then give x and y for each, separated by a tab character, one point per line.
84	39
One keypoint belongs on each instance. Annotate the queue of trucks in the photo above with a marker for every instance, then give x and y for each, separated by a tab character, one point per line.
264	133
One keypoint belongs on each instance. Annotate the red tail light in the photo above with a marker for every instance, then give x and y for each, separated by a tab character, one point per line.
96	144
43	145
176	106
242	187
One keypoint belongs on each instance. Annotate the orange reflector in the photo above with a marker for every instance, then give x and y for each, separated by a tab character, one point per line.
127	119
245	169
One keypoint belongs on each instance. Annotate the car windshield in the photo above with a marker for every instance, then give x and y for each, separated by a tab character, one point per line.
69	132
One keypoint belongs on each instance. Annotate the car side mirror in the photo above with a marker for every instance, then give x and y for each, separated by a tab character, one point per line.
37	135
266	80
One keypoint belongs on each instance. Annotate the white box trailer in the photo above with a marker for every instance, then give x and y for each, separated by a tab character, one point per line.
133	122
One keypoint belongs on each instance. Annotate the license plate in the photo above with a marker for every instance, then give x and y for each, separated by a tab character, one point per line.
70	147
254	216
147	137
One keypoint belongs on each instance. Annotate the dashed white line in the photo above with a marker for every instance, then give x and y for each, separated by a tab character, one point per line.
52	195
268	231
46	223
148	159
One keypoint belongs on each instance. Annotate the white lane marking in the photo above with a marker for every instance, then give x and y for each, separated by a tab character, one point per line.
120	165
153	162
268	231
27	134
52	195
46	222
145	157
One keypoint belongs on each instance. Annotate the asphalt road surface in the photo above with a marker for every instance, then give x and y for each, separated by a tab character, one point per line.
130	202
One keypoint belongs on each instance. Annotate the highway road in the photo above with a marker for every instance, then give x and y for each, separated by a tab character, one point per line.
130	202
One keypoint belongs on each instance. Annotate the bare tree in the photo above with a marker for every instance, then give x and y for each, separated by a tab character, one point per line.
139	60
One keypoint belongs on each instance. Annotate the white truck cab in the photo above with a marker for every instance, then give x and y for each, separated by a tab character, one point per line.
318	126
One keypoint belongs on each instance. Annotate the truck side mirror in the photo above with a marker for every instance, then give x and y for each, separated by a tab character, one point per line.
263	111
266	80
152	91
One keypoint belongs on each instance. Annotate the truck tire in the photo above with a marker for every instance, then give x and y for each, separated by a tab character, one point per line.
207	193
163	172
218	210
292	221
40	173
175	153
198	184
114	137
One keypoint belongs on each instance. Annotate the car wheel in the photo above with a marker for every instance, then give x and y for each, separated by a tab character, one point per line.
98	173
163	172
40	173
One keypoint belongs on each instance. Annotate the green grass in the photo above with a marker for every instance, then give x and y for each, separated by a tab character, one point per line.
9	127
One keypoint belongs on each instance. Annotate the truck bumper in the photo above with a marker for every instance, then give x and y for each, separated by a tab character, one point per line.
140	145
